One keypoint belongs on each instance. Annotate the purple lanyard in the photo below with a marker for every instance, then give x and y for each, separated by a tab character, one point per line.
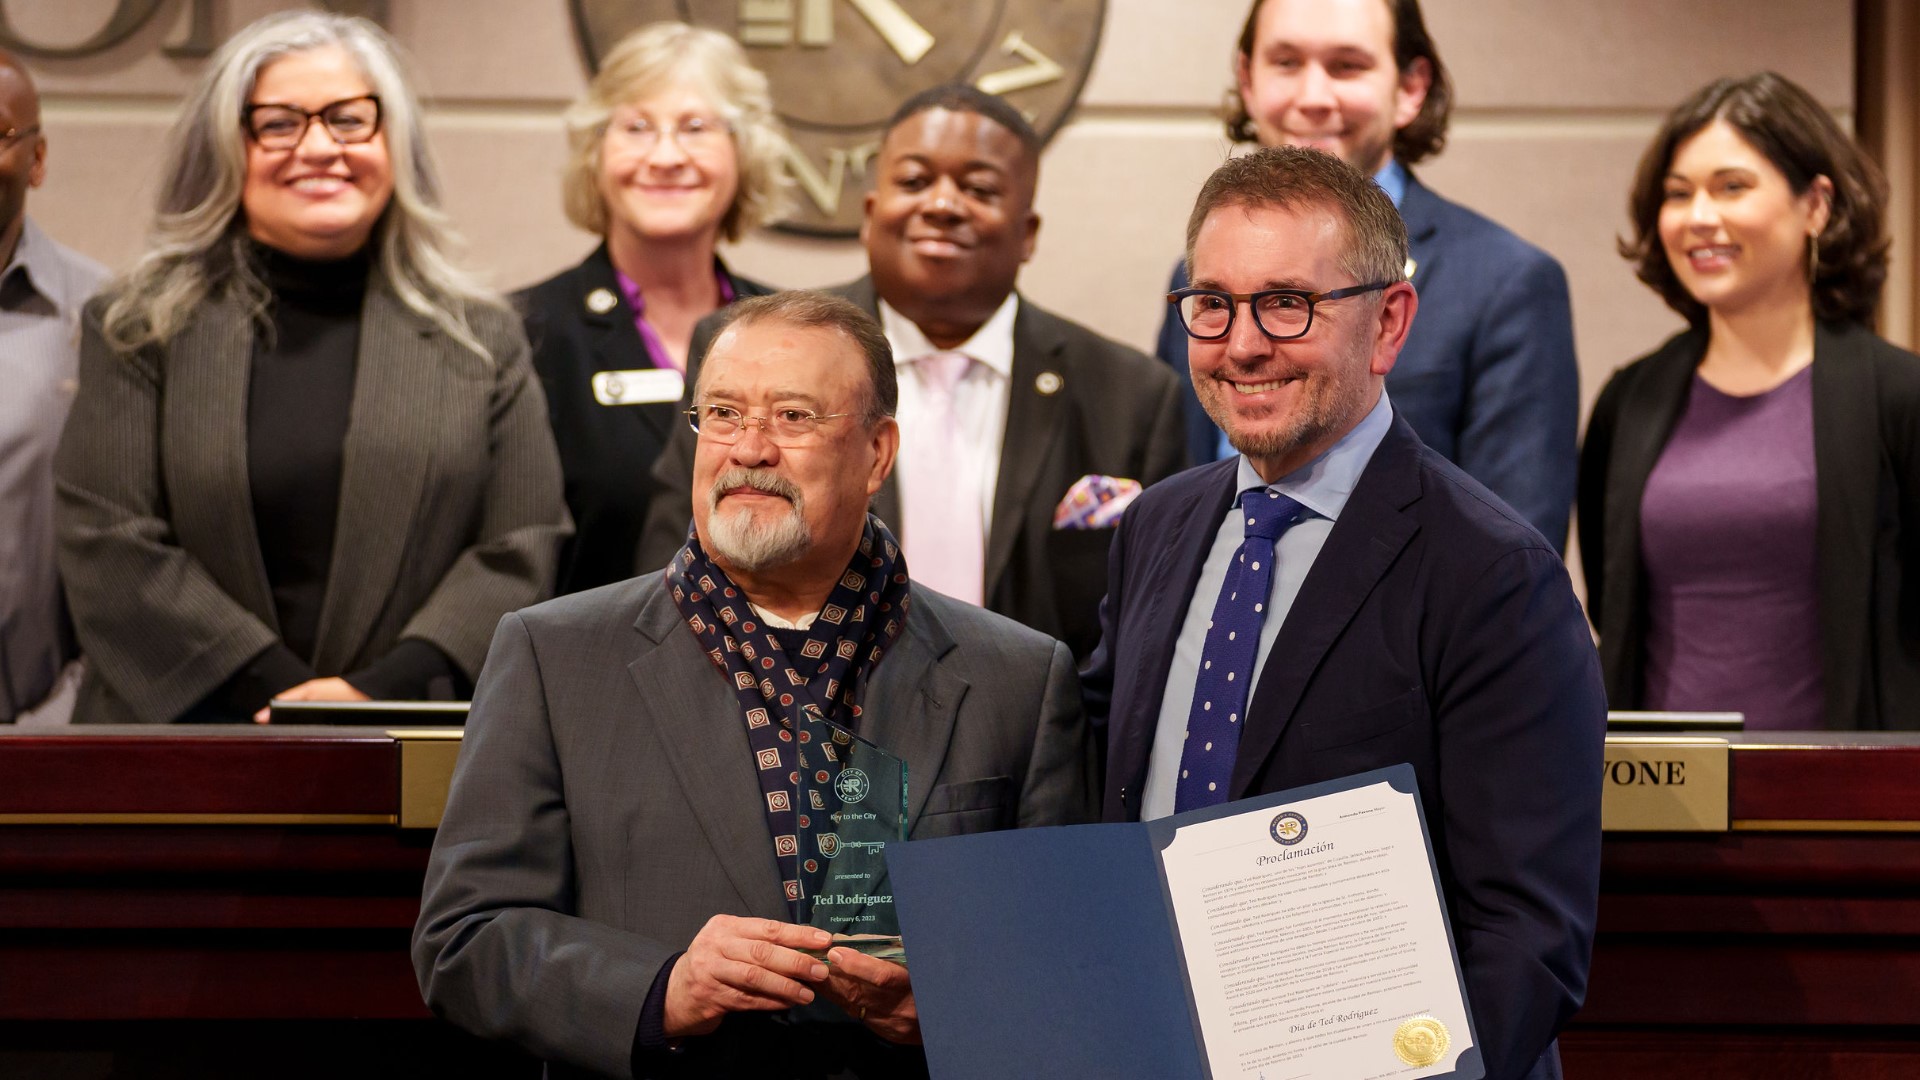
650	337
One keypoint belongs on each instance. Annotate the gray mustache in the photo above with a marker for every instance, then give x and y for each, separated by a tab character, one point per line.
765	480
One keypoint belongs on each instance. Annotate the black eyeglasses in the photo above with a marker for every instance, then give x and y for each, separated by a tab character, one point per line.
14	135
282	127
1281	314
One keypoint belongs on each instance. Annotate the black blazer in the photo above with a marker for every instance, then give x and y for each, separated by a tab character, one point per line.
449	513
1112	410
1435	628
1866	451
606	451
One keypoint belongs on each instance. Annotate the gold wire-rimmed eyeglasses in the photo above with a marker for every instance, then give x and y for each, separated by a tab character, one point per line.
15	135
785	427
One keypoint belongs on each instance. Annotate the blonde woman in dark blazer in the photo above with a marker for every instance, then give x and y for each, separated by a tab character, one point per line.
673	148
1750	492
307	460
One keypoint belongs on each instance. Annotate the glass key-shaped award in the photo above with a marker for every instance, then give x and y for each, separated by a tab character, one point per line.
851	801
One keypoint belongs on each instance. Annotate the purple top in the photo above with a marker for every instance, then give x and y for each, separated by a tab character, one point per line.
648	335
1727	536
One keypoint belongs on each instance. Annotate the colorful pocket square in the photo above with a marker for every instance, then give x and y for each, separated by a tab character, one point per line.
1095	502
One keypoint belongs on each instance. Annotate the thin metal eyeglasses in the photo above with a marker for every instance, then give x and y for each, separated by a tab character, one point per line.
1281	314
783	427
14	135
693	134
282	127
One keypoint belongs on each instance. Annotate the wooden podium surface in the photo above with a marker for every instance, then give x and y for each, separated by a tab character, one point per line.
206	873
215	902
193	875
1786	946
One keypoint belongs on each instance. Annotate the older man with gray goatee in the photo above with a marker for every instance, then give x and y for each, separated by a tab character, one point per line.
618	883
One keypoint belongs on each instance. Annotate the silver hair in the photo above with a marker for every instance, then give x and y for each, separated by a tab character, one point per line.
198	248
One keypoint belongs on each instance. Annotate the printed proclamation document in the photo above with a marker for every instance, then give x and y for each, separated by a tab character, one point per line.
1316	942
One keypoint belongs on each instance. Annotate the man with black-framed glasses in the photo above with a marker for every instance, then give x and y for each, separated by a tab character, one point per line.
1338	597
1488	377
42	288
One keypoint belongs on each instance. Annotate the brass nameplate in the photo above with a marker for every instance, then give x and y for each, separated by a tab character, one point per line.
1660	783
426	771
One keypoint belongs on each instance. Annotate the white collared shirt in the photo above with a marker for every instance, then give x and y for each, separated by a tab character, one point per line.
980	399
804	622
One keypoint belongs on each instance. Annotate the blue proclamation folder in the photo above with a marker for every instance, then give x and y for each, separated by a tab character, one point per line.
1054	952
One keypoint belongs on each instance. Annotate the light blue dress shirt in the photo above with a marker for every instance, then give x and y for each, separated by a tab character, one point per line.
1322	486
1392	179
42	290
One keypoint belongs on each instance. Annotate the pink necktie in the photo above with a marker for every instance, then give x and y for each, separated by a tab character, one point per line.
944	537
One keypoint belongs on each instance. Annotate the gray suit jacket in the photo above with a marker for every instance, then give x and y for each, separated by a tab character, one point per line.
450	505
605	807
1107	409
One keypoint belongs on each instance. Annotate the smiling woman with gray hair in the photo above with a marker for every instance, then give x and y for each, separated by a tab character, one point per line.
307	460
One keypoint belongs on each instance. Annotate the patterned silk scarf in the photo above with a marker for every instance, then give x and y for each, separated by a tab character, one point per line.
783	698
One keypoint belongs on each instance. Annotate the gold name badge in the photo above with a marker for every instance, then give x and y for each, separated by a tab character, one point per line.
644	386
1421	1041
1662	783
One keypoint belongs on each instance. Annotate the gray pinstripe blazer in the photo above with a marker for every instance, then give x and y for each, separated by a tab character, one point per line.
450	505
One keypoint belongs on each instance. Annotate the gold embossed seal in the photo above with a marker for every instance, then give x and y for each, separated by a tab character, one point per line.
1421	1041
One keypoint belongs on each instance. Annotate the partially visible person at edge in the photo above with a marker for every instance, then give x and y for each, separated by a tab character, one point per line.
308	460
1488	376
674	147
1750	491
41	290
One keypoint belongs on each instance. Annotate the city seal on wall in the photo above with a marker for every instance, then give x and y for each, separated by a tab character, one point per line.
839	69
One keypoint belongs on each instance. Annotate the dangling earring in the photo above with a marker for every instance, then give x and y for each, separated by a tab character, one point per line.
1813	258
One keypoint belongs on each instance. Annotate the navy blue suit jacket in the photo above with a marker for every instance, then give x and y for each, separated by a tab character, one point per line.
1434	628
1487	376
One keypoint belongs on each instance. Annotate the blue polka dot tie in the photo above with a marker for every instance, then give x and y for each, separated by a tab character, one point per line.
1226	660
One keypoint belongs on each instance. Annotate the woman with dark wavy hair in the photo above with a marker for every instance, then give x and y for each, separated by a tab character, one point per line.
1748	502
